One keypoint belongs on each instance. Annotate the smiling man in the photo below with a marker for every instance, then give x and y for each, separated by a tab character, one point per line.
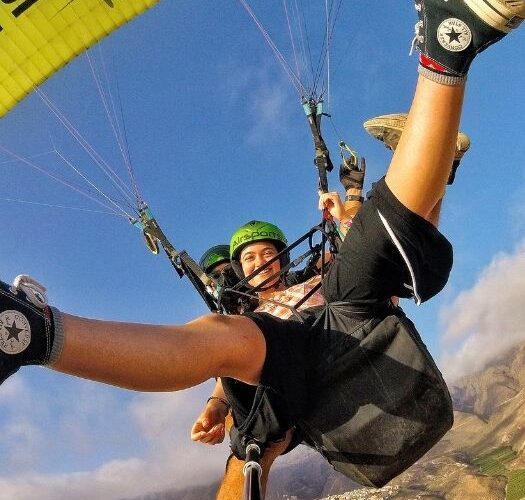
253	245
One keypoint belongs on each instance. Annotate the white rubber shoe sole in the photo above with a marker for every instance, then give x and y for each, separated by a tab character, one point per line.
503	15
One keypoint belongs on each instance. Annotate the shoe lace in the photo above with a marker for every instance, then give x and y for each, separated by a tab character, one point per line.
418	38
34	291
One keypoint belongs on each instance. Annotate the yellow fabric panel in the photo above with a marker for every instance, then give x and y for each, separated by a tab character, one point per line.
37	37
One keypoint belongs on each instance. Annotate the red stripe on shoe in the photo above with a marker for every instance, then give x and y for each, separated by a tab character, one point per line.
431	64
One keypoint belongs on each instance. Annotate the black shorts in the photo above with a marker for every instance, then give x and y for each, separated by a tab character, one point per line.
388	251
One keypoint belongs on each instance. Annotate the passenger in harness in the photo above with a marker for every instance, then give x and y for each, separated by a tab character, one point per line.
351	376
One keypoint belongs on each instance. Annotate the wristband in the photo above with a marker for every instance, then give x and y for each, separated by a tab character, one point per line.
222	400
354	197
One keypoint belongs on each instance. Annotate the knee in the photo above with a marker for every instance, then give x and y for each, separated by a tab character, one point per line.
240	344
248	349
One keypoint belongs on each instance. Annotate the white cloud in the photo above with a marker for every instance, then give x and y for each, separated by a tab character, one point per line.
114	480
13	390
488	319
166	419
268	103
265	96
90	415
24	440
21	435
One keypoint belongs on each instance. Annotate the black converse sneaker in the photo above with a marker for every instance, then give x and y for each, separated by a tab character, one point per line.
28	326
450	33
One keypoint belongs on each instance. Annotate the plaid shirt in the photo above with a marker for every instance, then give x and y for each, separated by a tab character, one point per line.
292	296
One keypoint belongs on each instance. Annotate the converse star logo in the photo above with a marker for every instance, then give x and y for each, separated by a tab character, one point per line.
454	35
15	332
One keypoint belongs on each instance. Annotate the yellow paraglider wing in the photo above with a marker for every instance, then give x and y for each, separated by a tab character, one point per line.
37	37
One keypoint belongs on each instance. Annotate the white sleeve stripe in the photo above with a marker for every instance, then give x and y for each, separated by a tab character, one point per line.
398	245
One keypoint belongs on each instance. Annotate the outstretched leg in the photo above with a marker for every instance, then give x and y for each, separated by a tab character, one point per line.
140	357
389	128
162	358
449	35
418	173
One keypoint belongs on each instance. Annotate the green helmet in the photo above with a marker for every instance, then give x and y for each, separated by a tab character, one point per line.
214	256
253	232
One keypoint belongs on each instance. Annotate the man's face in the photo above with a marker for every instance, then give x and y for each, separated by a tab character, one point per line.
256	255
216	271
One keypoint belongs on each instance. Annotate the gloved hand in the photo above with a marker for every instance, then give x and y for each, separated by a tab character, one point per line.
352	169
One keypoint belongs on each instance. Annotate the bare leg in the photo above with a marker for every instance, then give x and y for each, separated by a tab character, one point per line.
433	217
162	358
232	484
418	173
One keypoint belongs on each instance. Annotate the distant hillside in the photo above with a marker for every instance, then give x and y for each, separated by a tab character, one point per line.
306	477
481	458
309	478
194	493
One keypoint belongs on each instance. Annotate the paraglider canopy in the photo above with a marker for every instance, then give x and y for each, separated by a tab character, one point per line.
38	37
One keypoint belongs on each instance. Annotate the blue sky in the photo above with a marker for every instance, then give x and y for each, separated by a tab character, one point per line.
217	137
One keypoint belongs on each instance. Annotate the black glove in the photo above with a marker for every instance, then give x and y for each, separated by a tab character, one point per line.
351	174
